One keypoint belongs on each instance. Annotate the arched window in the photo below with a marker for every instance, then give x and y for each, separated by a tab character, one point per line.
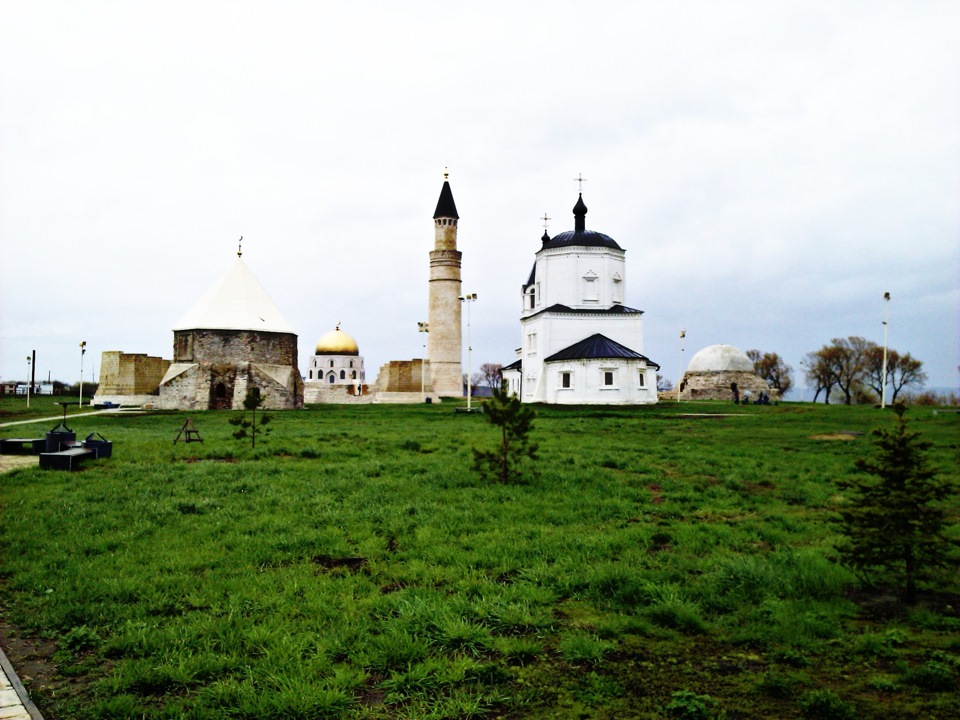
331	363
343	374
311	374
351	363
354	375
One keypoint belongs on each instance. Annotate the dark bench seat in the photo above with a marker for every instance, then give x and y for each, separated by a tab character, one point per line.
65	459
9	446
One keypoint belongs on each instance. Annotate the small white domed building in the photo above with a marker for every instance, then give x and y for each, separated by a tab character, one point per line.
336	369
714	371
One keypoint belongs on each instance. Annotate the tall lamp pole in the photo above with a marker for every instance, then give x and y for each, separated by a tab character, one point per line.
424	328
803	371
29	382
467	299
683	334
83	350
883	383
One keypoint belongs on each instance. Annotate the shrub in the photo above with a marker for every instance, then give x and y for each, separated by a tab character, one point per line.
687	705
826	705
932	675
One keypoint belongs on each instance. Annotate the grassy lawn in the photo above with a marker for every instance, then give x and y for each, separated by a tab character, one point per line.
659	565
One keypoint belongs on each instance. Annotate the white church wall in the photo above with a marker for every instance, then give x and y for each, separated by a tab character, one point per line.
561	273
587	382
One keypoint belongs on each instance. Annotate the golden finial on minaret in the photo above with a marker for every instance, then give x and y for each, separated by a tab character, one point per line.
240	247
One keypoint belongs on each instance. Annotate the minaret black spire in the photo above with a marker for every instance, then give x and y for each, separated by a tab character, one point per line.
446	207
579	213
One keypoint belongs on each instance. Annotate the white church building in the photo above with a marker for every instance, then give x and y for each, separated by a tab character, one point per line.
579	343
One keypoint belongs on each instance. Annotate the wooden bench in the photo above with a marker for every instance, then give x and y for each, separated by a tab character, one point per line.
69	459
9	446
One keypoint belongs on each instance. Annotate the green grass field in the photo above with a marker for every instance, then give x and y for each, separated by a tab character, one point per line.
659	565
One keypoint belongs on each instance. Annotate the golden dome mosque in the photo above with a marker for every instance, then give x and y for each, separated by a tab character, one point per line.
337	363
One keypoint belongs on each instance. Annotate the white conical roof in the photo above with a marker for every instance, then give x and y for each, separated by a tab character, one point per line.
237	301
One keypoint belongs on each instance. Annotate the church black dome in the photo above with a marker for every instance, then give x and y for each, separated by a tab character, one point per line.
580	236
586	238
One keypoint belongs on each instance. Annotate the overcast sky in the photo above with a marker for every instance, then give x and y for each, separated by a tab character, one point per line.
771	168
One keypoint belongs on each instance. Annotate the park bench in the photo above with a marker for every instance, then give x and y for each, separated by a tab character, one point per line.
68	459
9	446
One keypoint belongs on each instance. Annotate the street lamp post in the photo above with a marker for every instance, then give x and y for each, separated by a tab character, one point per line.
804	382
29	363
468	298
83	350
424	328
883	382
683	334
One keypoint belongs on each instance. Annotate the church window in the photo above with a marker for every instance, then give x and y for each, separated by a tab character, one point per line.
608	378
343	374
537	294
311	374
331	363
331	378
351	363
590	287
532	343
565	380
353	375
643	379
617	289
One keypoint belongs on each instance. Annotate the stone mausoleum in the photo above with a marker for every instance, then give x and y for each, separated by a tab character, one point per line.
713	371
233	340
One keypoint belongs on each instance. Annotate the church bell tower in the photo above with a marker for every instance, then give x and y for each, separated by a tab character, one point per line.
444	345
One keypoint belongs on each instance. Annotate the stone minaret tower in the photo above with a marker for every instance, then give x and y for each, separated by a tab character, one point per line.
444	349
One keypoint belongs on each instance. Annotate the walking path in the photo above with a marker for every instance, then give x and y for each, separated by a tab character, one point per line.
54	419
15	704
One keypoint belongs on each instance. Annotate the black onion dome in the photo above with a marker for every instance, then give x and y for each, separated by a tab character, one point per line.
587	238
580	236
446	207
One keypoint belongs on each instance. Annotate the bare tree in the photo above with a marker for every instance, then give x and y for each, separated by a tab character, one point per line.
492	374
773	369
902	370
819	374
846	359
474	381
663	384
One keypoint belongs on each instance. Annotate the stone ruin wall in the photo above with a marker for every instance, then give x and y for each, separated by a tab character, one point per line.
230	357
235	347
130	373
316	392
716	386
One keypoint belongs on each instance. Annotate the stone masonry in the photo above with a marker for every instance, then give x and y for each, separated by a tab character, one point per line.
444	341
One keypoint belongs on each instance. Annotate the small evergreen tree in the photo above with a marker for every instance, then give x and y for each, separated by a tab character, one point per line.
894	522
251	402
515	420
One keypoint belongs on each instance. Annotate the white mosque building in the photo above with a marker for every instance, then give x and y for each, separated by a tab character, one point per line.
579	343
337	360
